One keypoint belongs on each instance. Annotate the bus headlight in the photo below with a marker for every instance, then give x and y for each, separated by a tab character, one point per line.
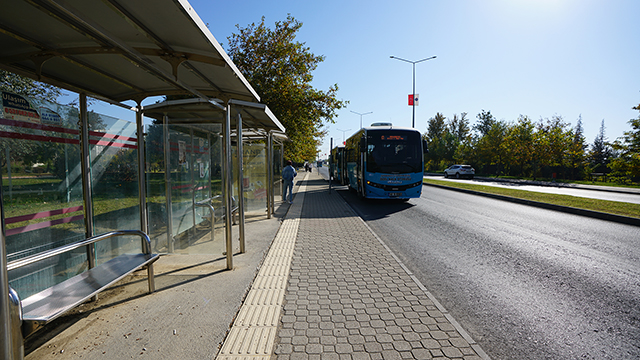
376	185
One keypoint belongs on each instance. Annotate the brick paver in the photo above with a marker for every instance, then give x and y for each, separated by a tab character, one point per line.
349	298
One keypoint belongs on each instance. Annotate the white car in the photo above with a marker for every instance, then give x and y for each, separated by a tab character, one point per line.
459	171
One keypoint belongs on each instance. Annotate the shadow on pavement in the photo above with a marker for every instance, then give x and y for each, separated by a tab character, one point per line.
368	209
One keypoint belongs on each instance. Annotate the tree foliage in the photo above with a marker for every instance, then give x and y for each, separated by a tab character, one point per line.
279	68
436	127
485	122
577	152
524	148
520	140
601	152
441	142
459	127
491	147
27	87
627	164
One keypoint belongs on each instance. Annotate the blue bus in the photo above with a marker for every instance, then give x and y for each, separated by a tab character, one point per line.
385	162
337	168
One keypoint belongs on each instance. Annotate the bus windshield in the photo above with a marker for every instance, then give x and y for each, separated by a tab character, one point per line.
394	151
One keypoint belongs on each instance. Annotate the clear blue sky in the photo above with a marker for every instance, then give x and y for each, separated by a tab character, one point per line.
538	58
532	57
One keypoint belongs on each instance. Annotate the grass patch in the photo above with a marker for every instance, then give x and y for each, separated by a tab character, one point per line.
606	206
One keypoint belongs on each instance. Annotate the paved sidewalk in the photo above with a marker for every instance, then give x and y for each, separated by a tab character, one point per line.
327	288
347	296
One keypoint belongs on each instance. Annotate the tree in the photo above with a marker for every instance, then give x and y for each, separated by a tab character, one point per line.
554	141
520	139
600	153
279	68
577	151
440	143
459	127
627	163
485	122
492	147
460	130
436	127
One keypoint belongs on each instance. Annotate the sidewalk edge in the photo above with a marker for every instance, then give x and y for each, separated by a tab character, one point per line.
441	308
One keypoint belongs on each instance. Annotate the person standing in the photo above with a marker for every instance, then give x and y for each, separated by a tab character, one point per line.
288	173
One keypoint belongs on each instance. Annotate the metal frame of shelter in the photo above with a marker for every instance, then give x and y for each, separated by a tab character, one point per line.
236	115
115	51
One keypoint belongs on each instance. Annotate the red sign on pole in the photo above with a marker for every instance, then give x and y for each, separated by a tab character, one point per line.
410	99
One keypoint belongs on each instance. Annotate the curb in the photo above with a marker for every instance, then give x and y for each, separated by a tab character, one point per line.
612	189
567	209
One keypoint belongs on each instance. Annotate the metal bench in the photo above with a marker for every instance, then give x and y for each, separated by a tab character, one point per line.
212	217
49	304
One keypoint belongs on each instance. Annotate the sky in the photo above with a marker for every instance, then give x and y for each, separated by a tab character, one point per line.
539	58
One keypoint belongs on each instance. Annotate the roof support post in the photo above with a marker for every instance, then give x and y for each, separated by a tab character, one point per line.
240	184
6	343
227	178
167	181
190	162
330	163
142	173
281	167
269	174
87	192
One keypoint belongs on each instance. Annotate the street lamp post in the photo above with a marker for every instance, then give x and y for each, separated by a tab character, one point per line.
343	131
413	121
370	112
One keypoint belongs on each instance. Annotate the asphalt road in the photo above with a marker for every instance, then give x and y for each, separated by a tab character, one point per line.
526	283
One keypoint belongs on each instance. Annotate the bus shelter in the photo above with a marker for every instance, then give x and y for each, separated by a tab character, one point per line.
126	51
198	122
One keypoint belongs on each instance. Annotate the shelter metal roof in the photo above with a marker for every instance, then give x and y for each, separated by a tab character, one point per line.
118	49
198	111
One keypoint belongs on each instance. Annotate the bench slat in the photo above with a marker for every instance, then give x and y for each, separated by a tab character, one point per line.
50	303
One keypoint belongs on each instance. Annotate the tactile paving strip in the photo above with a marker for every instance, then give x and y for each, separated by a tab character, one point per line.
253	332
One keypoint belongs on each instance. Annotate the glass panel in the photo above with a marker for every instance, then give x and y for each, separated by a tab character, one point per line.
255	179
114	181
42	189
156	188
277	172
218	246
216	164
201	176
196	174
181	164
